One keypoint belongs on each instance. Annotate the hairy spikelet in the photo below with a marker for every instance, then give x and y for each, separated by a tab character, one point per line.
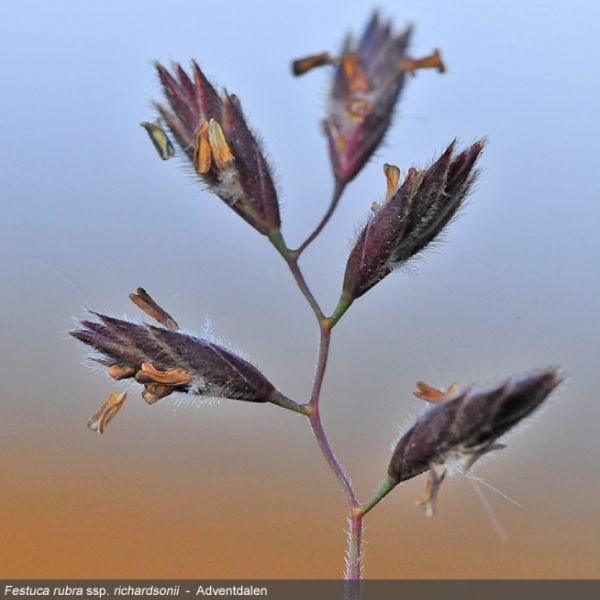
212	132
179	362
469	424
365	90
410	219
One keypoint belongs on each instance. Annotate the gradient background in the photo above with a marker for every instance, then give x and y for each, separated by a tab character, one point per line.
238	490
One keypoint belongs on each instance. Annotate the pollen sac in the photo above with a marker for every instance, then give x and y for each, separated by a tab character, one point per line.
202	159
105	414
433	395
434	61
307	63
212	132
148	373
428	499
159	139
365	90
143	300
392	176
468	425
153	392
167	361
218	145
410	219
117	372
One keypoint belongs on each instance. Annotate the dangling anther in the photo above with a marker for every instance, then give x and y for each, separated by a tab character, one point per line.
105	414
159	139
143	300
428	500
303	65
434	61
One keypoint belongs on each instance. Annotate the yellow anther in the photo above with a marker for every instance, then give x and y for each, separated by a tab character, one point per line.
221	152
160	139
452	391
392	175
428	500
375	206
156	391
433	395
150	374
434	61
202	152
357	80
104	415
144	301
118	372
303	65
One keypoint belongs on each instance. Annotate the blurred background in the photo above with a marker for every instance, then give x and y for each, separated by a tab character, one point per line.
231	489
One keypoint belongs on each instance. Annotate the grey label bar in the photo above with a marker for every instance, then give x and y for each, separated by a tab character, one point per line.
301	589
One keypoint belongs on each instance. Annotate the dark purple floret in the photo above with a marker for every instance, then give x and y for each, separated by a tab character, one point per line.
211	369
411	219
469	424
362	100
212	132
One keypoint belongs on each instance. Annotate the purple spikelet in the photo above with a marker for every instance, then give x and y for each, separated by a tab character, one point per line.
365	89
410	219
204	368
469	424
212	132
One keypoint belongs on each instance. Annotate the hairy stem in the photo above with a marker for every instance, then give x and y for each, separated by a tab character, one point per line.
312	409
337	194
354	558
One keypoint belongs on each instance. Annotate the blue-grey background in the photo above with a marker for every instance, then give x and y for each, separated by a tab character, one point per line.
230	490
